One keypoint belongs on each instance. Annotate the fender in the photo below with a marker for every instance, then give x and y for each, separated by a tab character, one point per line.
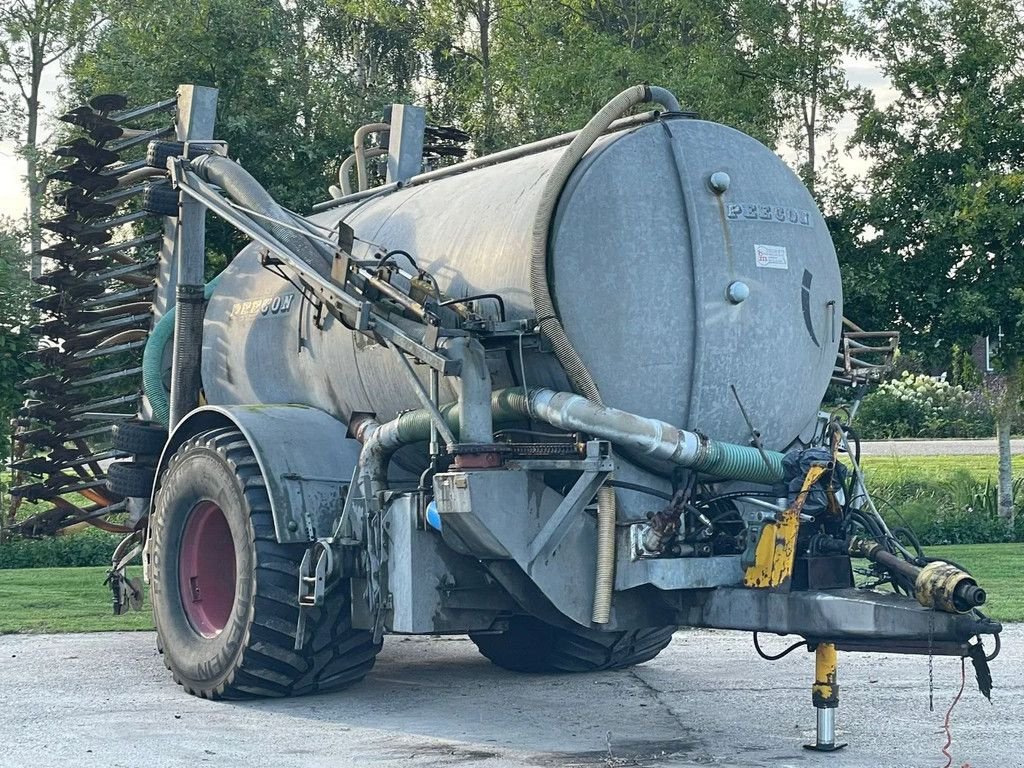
305	455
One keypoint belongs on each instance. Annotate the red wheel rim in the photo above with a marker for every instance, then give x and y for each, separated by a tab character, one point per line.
206	569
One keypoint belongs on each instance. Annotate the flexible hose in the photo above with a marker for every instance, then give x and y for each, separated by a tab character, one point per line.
153	357
551	326
243	189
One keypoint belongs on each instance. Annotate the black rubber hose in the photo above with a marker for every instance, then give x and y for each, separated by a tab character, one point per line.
776	657
639	489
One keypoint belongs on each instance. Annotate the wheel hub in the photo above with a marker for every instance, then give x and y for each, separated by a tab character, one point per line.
206	569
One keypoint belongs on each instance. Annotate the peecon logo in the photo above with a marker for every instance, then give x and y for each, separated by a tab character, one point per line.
269	305
780	214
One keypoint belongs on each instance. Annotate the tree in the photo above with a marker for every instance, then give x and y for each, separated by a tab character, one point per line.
945	190
15	294
514	70
35	35
804	43
296	78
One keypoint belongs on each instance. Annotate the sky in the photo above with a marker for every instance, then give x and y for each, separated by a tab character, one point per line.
861	72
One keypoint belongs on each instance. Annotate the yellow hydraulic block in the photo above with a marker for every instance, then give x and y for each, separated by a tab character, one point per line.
776	549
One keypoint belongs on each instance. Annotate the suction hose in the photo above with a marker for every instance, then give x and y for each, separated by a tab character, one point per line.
551	326
153	358
244	190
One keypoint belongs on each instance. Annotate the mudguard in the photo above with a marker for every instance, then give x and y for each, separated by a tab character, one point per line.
305	455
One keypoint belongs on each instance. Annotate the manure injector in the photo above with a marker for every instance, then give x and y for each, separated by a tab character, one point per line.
565	399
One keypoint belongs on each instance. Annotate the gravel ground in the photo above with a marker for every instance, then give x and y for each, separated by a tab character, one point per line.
106	700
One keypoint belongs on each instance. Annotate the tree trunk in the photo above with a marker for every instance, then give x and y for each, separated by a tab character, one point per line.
31	151
483	15
1003	427
1006	416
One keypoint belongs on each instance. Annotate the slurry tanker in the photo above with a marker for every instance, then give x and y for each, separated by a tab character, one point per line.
565	398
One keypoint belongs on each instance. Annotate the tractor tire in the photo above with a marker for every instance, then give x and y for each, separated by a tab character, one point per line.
159	152
126	478
225	591
532	645
160	199
140	438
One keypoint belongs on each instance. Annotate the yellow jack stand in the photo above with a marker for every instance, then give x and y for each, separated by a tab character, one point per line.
825	696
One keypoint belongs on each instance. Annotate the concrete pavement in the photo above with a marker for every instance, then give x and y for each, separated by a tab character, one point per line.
706	700
936	447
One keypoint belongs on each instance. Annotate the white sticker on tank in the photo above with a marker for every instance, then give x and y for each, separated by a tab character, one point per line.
771	256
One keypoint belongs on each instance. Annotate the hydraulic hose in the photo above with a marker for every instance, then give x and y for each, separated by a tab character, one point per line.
153	357
551	325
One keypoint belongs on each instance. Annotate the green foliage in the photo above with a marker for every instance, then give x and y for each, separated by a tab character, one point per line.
951	507
942	225
963	369
88	547
917	405
15	294
519	70
997	569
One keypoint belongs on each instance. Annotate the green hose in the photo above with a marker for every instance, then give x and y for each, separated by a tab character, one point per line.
153	358
741	462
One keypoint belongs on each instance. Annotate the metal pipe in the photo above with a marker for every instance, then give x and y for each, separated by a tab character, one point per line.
360	151
474	386
345	171
649	437
494	158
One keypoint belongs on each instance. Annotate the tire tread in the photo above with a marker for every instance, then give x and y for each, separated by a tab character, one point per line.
334	653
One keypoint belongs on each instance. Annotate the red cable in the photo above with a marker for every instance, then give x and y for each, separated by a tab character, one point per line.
949	713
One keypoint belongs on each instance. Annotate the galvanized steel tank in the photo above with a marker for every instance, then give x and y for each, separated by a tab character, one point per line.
685	259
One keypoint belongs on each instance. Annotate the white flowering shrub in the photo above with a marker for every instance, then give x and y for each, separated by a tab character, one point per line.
917	405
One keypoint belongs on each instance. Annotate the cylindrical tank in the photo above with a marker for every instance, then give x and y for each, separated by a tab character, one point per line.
686	260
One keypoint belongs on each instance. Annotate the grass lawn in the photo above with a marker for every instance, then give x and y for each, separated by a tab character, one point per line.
889	470
997	567
75	600
63	600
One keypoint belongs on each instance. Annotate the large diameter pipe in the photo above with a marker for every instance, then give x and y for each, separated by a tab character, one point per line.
645	437
242	188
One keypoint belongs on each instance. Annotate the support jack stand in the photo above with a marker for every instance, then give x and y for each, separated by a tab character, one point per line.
825	695
825	740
